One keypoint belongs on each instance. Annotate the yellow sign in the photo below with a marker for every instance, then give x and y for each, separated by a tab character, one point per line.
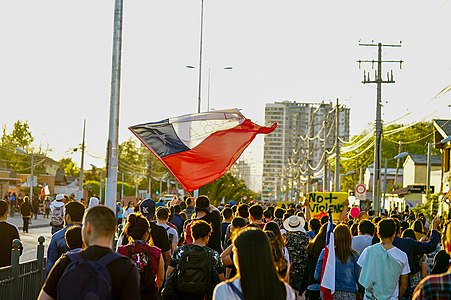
321	202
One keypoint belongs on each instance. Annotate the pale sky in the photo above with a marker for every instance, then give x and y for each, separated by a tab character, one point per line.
56	62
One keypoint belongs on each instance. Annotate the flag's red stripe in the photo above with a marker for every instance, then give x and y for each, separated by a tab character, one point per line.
214	156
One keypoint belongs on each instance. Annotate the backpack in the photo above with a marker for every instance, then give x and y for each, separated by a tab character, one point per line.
195	272
86	279
57	216
146	274
170	236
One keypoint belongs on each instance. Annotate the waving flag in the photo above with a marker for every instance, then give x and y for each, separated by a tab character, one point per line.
199	148
328	273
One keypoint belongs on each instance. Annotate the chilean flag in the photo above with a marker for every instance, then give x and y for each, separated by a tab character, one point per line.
328	269
199	148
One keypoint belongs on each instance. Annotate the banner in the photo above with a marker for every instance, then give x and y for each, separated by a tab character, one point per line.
321	202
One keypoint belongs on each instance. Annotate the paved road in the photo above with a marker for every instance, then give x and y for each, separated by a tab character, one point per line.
39	227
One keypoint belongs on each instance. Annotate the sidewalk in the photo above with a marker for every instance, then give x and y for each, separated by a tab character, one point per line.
35	223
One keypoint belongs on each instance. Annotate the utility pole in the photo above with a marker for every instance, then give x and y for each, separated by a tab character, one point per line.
309	185
428	179
377	147
80	184
337	148
326	125
113	129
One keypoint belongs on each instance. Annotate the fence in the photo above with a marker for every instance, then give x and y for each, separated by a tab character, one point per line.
23	280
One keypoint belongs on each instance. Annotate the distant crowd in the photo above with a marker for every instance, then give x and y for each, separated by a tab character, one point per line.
190	249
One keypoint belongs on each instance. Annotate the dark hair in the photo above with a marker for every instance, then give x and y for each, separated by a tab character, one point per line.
258	274
202	202
367	227
267	214
278	213
238	222
102	219
162	213
354	229
3	207
177	208
200	229
317	244
386	228
136	226
417	226
324	219
409	233
314	225
274	227
227	212
75	210
73	237
256	211
188	201
243	210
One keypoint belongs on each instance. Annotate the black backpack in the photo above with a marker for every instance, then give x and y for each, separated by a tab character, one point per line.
195	272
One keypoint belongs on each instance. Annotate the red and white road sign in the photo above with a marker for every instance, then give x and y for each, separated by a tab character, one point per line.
360	189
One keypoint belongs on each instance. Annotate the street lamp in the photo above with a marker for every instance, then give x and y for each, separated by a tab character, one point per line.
31	181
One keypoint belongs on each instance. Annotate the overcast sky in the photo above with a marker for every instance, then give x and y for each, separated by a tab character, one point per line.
56	62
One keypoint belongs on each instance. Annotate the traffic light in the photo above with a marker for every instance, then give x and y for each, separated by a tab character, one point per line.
157	192
269	189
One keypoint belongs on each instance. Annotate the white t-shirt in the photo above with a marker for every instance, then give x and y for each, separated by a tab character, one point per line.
400	257
360	242
169	231
224	292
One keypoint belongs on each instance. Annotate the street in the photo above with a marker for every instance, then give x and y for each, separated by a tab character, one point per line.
39	227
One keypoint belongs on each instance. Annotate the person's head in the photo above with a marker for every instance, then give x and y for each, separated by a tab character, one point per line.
202	205
243	211
162	214
354	229
386	228
201	230
343	243
99	226
227	213
254	262
238	223
314	225
26	199
177	208
74	212
366	227
137	227
278	212
447	237
324	220
409	233
417	226
147	208
256	213
4	209
73	237
294	224
189	201
267	214
363	215
274	227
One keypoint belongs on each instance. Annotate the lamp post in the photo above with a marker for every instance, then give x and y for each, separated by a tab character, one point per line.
31	181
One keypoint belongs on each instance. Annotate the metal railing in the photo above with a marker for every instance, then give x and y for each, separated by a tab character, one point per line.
23	280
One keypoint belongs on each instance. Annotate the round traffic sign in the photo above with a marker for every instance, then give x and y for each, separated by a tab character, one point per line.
360	189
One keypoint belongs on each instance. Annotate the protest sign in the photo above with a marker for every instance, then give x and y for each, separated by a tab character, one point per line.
321	202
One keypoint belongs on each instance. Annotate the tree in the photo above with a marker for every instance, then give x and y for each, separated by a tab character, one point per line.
69	167
228	187
414	140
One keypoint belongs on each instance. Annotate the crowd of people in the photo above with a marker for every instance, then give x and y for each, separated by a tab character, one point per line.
190	249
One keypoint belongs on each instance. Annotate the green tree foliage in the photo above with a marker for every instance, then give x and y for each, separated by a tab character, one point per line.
429	208
228	187
69	167
414	140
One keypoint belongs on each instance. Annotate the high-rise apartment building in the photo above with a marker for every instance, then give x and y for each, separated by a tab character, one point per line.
295	150
242	170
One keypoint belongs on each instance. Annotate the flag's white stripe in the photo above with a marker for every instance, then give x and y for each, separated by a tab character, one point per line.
192	132
328	280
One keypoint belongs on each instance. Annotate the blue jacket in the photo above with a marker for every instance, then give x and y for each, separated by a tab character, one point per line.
57	247
414	248
346	275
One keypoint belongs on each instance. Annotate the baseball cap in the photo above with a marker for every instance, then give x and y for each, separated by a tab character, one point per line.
147	208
